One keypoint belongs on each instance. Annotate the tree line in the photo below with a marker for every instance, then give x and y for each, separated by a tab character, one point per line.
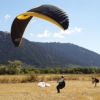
15	68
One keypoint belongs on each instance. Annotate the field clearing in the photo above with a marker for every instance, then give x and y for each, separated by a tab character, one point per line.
81	89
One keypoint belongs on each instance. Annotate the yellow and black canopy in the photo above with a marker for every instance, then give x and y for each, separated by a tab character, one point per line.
48	12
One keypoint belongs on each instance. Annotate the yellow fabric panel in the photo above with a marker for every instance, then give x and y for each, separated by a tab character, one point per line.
22	17
26	15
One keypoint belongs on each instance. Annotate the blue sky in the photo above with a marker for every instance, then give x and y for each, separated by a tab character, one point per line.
84	22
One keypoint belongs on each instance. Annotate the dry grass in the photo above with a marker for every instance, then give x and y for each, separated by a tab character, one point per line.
49	77
76	89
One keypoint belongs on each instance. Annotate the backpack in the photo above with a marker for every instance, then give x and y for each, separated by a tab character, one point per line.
97	80
63	84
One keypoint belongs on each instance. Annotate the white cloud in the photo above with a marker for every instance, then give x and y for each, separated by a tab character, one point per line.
72	30
31	34
6	17
33	21
45	34
58	35
0	20
77	29
62	33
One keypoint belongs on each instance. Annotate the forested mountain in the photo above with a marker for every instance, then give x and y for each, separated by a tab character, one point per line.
46	54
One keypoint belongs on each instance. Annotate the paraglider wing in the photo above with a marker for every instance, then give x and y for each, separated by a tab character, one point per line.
43	84
17	30
48	12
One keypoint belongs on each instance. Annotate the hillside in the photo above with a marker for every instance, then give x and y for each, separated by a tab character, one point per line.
46	54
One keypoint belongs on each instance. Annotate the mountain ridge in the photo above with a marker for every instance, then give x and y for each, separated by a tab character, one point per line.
51	54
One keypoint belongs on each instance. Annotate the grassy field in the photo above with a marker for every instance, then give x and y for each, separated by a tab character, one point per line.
78	87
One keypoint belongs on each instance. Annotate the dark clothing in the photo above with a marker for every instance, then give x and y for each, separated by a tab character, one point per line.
61	85
95	80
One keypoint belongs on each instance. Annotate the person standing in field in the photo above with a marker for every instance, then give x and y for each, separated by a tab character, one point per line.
95	81
61	84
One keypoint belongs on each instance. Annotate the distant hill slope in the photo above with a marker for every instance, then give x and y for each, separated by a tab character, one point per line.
46	54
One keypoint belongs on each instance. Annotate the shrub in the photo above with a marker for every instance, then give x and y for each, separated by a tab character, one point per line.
33	77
